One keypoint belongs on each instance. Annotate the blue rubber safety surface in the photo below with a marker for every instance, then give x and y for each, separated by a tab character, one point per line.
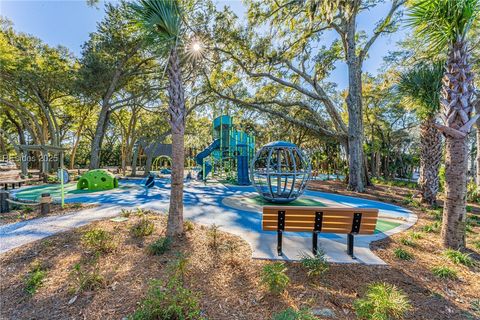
203	203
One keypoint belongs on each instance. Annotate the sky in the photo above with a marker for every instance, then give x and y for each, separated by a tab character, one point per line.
69	22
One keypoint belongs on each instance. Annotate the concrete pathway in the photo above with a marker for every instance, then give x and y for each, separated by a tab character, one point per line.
204	204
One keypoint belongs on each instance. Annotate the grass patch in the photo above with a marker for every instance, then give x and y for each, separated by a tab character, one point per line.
382	301
35	277
160	246
98	240
274	277
408	241
86	277
459	257
142	228
432	228
402	254
315	266
444	272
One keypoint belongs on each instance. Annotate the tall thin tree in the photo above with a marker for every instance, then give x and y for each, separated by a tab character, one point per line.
444	24
162	22
421	86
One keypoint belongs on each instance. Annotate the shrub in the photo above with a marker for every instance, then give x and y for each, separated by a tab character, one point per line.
459	257
98	240
476	244
213	234
382	301
179	267
160	246
144	227
444	272
317	265
292	314
436	214
274	277
166	303
415	235
85	279
231	247
26	209
35	277
402	254
473	192
125	213
188	225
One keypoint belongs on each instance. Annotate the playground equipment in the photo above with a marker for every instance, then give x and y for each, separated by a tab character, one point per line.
97	179
280	172
230	148
161	162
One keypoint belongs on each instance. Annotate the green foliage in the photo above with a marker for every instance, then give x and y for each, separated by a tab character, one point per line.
402	254
436	214
476	244
125	213
26	209
315	266
415	235
35	277
459	257
292	314
421	87
142	228
441	22
76	205
395	183
160	246
169	302
473	192
408	241
274	277
231	246
86	277
382	301
98	240
188	225
179	267
432	228
444	272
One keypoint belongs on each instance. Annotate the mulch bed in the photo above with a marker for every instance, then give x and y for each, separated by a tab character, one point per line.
21	214
227	282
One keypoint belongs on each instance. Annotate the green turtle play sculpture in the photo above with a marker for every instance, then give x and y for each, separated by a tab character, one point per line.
97	179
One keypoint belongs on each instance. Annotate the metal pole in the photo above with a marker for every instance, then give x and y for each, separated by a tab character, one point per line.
61	179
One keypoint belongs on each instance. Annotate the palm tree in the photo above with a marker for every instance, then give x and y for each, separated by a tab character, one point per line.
421	86
162	22
445	24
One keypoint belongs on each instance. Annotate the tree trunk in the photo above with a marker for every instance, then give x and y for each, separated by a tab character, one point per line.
454	212
430	157
477	132
176	109
102	122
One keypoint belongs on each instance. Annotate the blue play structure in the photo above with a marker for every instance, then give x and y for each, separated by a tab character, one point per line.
231	149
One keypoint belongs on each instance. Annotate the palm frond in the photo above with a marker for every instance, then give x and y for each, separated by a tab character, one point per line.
441	22
161	20
421	87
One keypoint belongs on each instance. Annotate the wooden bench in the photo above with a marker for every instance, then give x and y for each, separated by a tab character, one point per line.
350	221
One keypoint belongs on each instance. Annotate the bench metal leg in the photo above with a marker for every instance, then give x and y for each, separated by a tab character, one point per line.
315	243
350	244
279	242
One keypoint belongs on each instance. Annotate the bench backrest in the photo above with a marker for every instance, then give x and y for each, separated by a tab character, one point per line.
329	220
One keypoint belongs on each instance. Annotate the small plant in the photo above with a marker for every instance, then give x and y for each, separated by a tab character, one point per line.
402	254
231	247
317	265
179	267
188	225
432	228
125	213
144	227
382	301
408	242
444	272
274	277
76	205
172	301
292	314
459	257
415	235
476	244
35	277
473	192
475	305
140	212
85	279
160	246
213	234
436	214
26	209
98	240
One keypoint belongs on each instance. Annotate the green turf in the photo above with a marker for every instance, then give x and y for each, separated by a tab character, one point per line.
33	193
258	200
384	225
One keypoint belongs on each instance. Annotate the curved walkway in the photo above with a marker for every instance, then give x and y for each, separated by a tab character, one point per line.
204	205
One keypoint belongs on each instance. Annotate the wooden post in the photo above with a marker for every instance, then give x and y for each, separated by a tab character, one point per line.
4	195
45	201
